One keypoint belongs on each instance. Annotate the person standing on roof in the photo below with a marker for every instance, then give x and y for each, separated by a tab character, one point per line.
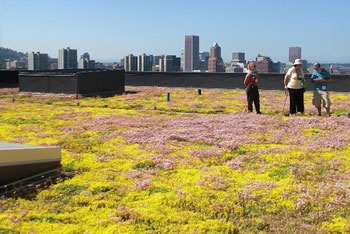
294	83
251	82
321	77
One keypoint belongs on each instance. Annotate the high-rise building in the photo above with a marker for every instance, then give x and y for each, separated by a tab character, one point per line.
204	56
238	57
144	63
151	60
294	53
92	64
130	63
38	61
265	64
203	61
84	56
161	64
53	63
215	62
156	59
156	66
237	64
176	64
276	67
191	53
82	64
169	63
67	59
85	62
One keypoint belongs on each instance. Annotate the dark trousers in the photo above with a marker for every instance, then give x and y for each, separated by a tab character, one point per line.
296	98
253	96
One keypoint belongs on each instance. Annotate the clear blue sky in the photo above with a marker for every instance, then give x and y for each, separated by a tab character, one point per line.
111	29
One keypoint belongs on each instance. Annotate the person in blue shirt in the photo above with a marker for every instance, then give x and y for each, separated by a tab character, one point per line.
320	78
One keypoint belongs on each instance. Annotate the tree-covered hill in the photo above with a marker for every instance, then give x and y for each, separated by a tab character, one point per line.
6	53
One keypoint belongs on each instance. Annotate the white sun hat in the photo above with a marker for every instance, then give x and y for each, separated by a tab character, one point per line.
298	62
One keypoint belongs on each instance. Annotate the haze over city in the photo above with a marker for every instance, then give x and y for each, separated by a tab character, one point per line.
109	30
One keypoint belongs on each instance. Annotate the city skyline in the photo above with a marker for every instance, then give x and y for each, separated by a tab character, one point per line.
111	29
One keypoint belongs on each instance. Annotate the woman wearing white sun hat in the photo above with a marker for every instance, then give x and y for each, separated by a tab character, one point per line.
294	82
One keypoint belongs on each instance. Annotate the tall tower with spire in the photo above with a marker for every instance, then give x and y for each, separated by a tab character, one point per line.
215	62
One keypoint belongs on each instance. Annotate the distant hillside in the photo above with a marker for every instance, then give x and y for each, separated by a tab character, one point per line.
11	55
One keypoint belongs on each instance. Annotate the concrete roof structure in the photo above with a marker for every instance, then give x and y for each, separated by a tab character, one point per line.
21	161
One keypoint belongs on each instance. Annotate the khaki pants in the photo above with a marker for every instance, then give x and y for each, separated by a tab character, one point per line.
321	96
